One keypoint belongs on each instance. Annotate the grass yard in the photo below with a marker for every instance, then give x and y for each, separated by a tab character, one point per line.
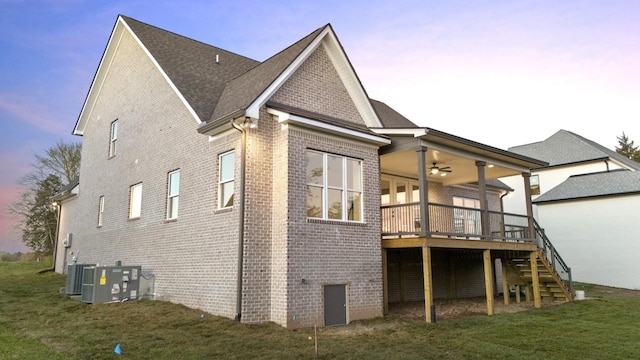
36	322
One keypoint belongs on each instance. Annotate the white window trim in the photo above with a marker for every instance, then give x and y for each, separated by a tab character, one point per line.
345	189
171	197
113	138
100	211
222	182
135	201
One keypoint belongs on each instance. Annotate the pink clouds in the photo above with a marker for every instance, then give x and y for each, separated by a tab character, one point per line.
32	114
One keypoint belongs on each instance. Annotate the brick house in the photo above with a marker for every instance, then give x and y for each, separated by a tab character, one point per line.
278	191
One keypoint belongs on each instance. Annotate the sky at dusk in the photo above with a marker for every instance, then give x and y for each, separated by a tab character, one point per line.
502	73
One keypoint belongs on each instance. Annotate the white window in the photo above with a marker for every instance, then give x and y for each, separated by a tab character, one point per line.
467	216
135	201
173	194
225	179
334	187
100	210
114	139
534	182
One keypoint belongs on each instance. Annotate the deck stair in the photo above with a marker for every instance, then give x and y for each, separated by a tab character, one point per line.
552	286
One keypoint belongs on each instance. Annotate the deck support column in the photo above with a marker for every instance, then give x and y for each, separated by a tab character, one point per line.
429	307
505	284
423	190
385	283
484	209
488	280
535	280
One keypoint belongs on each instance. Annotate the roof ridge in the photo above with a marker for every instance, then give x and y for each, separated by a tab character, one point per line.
262	76
610	153
126	18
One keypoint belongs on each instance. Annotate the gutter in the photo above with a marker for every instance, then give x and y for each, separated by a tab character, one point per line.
243	146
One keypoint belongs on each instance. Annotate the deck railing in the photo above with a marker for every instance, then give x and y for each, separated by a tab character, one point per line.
554	258
453	221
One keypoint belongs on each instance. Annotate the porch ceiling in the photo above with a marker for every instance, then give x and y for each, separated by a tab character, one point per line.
463	169
444	149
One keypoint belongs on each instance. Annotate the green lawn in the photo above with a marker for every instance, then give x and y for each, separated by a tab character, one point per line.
36	322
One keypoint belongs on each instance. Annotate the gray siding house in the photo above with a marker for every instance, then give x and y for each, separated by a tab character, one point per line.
278	191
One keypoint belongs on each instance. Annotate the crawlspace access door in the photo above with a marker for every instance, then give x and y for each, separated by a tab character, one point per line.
335	305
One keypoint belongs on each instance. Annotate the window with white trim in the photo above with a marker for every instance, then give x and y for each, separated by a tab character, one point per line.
100	210
334	187
135	201
113	138
173	194
467	215
226	172
534	182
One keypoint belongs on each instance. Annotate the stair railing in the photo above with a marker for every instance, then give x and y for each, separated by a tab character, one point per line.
557	263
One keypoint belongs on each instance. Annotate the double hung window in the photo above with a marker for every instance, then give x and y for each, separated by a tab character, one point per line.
100	211
226	179
113	139
173	194
135	201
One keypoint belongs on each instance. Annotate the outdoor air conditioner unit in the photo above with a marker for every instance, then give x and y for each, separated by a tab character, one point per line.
110	283
74	278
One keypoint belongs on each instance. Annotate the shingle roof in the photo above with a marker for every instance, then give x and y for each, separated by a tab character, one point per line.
191	65
391	118
66	191
217	89
565	147
242	91
618	182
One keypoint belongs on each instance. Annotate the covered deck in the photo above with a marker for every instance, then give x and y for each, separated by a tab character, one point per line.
422	163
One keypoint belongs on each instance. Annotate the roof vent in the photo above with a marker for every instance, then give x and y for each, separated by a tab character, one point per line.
217	59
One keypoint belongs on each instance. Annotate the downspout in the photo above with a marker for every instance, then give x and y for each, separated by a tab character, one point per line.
243	146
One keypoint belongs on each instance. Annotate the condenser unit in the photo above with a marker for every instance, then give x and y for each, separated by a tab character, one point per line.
110	283
74	278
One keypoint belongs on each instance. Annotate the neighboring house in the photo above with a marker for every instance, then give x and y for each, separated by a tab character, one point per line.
588	201
278	191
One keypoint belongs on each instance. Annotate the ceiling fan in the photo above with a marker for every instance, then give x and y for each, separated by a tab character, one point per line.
436	169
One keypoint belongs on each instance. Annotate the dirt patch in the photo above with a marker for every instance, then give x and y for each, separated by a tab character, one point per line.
460	308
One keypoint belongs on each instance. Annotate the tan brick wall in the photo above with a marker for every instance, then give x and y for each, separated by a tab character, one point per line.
193	257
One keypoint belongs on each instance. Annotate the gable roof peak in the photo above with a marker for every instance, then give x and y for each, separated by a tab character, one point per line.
244	95
566	147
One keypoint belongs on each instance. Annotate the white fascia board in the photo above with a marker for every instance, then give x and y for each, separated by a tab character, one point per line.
286	118
164	74
99	77
103	70
345	72
415	132
253	110
350	80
